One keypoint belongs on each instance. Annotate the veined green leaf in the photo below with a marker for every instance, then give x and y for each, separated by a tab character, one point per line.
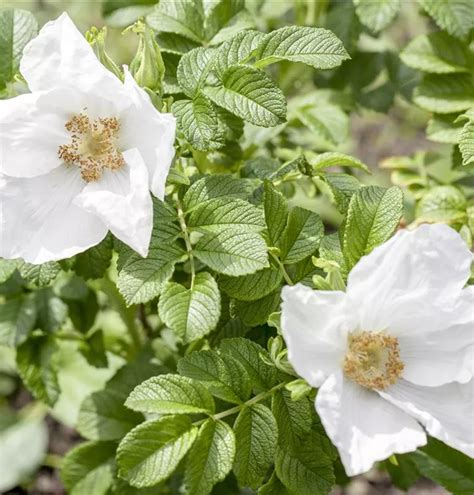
342	187
225	378
7	268
442	204
444	129
328	121
94	262
276	212
194	68
17	319
273	487
210	458
191	313
377	15
437	53
254	313
293	417
334	159
316	47
466	143
233	253
152	451
219	13
456	16
39	275
256	435
372	217
251	95
171	394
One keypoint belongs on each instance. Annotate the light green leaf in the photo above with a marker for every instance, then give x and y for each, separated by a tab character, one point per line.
225	378
342	187
293	417
276	212
89	468
437	53
251	95
191	313
211	457
220	214
171	394
334	159
442	204
445	93
302	235
256	312
251	287
38	368
444	129
7	268
256	438
51	310
17	319
151	452
316	47
456	16
273	487
446	466
233	253
39	275
142	279
251	356
17	28
193	70
466	143
181	17
220	13
328	121
372	217
198	120
377	15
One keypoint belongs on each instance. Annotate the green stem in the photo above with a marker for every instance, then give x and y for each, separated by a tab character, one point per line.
53	461
187	240
126	313
282	269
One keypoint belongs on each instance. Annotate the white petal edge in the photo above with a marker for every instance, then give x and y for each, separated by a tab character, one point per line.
121	199
364	427
151	132
39	221
61	55
314	326
447	412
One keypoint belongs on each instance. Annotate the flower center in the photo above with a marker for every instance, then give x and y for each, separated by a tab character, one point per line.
93	146
373	360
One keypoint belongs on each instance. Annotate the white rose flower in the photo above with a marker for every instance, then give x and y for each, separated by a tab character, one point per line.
79	154
393	355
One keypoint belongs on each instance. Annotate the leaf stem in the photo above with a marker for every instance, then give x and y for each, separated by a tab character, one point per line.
187	240
282	269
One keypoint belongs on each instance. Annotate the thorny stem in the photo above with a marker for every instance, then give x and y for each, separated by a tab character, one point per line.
237	409
282	269
187	240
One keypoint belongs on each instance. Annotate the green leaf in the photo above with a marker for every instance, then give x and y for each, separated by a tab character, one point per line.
372	217
342	20
224	378
181	17
255	360
404	474
334	159
273	487
256	438
466	143
210	458
193	70
256	312
330	249
17	28
302	235
151	452
342	187
316	47
51	310
175	43
251	287
7	268
437	53
220	214
93	263
37	367
448	467
233	253
251	95
444	129
142	279
293	417
237	50
442	204
445	93
377	15
89	468
305	469
220	13
191	313
455	16
198	120
171	394
17	319
39	275
276	212
214	186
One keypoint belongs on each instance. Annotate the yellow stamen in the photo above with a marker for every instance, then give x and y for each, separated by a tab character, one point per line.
373	360
93	146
